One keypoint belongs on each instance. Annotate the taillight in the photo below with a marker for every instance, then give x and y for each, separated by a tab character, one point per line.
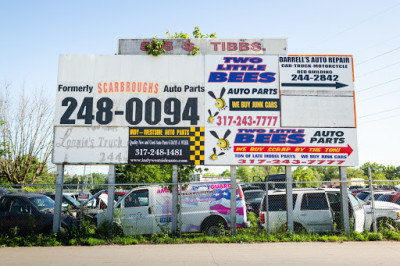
262	218
240	193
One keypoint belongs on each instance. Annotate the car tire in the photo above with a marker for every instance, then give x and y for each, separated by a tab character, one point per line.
384	224
299	229
215	230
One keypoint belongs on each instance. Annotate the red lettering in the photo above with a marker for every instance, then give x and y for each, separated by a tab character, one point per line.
256	46
99	88
232	46
243	46
215	45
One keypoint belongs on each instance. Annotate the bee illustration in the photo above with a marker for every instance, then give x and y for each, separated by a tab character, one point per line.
223	143
214	156
219	102
211	117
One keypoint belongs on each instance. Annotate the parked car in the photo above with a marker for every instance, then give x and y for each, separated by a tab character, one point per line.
89	208
204	208
253	200
30	213
393	197
366	195
3	191
318	210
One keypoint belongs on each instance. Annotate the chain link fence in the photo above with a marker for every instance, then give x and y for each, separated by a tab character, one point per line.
204	207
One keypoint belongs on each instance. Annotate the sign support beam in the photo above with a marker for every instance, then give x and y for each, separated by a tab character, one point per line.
174	211
344	199
289	198
111	196
58	198
233	200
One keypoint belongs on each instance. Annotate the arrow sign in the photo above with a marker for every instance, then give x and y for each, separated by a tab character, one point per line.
308	149
337	85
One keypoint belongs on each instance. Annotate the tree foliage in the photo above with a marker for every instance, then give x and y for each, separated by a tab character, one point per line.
26	136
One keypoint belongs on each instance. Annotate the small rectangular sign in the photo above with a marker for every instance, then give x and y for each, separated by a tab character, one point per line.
317	73
242	91
281	146
90	145
162	145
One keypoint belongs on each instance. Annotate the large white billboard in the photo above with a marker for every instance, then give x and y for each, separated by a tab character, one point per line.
204	110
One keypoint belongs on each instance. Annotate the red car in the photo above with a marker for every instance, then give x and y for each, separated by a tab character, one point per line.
393	197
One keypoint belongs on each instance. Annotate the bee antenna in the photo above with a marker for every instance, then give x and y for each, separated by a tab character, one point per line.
209	111
227	133
222	153
214	134
216	113
214	150
212	94
222	92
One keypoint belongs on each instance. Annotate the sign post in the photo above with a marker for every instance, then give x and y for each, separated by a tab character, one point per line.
289	198
111	197
233	200
58	198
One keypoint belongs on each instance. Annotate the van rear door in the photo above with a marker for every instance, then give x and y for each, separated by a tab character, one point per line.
315	213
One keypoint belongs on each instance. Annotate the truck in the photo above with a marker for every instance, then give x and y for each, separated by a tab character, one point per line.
204	207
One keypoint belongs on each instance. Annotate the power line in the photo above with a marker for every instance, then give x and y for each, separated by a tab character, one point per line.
379	55
361	22
370	121
384	94
373	71
377	85
380	112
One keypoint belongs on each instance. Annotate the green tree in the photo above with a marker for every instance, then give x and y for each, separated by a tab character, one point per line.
306	174
225	173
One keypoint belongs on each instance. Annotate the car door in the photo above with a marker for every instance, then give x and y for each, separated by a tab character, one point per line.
357	211
137	217
19	216
315	213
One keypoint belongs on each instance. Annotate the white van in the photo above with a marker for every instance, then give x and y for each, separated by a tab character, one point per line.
205	207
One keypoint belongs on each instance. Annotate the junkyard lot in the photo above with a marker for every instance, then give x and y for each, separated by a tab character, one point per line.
347	253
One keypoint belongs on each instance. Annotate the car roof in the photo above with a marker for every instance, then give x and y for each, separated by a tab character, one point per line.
25	195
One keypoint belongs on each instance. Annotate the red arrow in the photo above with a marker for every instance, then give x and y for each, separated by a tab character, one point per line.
288	149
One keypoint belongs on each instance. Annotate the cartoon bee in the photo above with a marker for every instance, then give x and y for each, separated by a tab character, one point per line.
214	156
223	143
219	102
211	117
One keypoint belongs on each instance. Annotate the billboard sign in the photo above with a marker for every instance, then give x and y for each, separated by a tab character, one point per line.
249	106
242	91
281	146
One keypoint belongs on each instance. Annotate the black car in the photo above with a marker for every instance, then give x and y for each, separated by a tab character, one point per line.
253	200
30	213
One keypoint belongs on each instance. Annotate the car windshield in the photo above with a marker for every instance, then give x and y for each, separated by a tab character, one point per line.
43	203
387	198
253	195
362	195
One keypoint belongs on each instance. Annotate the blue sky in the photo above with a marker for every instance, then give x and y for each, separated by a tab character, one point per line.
34	33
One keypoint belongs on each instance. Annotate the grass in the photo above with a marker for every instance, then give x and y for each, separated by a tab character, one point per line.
88	235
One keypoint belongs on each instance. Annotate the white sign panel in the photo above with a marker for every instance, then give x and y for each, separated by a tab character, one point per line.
317	111
310	73
281	146
242	91
91	145
130	91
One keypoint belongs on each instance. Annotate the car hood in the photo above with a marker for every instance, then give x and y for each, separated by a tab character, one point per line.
385	205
